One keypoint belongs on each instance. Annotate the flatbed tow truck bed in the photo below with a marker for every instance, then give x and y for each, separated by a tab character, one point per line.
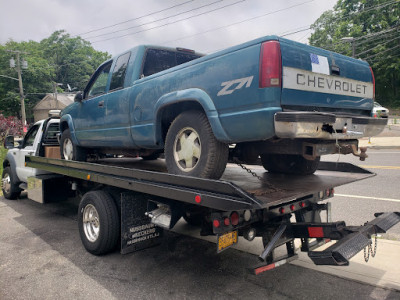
236	190
243	203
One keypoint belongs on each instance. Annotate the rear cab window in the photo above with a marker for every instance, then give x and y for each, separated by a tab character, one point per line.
157	60
51	134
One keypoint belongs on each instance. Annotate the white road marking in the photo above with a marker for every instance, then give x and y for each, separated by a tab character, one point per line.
378	152
366	197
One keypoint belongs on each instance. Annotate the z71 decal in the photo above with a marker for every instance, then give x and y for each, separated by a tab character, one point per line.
233	85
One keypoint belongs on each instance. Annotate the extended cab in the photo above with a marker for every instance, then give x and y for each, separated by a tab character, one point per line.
273	98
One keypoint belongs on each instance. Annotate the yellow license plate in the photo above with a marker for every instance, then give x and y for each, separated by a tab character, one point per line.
227	239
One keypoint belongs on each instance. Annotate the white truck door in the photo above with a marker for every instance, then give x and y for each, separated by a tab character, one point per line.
28	147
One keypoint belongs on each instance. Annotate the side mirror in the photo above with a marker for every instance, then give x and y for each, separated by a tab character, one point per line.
78	97
9	142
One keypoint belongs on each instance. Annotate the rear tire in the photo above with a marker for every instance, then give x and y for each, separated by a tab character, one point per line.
98	221
289	164
10	188
193	219
191	148
153	156
70	151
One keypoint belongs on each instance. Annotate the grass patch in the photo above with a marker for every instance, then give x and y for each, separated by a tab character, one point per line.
3	153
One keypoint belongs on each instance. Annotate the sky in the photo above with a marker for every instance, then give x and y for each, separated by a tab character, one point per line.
117	25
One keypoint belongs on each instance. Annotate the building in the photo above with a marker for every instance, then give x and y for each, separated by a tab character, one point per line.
49	102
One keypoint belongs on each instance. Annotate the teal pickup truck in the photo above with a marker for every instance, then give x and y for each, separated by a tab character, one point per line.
284	102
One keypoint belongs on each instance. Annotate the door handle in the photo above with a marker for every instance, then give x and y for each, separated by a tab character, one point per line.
101	104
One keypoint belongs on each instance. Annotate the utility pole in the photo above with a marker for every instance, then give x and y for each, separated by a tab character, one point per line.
55	85
55	94
17	64
353	44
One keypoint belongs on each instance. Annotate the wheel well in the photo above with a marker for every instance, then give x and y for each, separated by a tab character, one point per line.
63	126
170	112
6	164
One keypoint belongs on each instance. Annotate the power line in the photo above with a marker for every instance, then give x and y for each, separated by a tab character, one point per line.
380	35
382	52
170	23
363	52
172	16
378	59
240	22
135	19
303	29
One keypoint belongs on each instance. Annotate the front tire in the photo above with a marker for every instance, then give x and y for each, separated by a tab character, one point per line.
191	148
70	151
98	222
289	164
10	188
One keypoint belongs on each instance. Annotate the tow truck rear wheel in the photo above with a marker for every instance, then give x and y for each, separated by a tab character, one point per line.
192	149
10	189
98	221
70	151
193	219
289	164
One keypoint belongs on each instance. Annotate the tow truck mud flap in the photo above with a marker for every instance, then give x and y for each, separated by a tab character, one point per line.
137	232
356	239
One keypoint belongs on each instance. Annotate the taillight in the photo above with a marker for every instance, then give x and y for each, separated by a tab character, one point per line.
373	80
234	218
315	232
227	222
216	223
270	65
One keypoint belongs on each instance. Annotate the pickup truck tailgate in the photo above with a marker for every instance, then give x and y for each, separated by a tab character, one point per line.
318	80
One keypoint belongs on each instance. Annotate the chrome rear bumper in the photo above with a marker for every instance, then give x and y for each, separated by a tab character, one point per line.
326	126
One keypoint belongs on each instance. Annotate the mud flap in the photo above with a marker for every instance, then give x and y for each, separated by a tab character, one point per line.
358	238
137	232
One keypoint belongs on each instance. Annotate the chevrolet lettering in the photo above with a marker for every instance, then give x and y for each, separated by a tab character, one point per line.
309	81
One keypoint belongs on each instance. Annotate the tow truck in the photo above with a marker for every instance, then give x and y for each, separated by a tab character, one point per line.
129	202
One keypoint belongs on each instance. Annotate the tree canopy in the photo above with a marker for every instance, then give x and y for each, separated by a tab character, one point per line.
60	59
374	26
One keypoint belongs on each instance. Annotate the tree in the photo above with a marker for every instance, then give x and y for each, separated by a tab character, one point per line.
74	58
375	26
56	59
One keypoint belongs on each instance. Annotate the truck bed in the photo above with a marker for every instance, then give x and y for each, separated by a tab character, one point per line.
236	190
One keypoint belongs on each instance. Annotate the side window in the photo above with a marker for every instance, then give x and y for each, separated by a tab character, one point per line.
30	136
99	83
118	75
157	61
181	58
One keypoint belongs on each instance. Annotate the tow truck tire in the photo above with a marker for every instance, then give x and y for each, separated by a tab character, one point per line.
153	156
70	151
191	148
10	189
98	221
289	164
193	219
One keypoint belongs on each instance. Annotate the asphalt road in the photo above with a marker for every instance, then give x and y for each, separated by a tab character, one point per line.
357	202
41	257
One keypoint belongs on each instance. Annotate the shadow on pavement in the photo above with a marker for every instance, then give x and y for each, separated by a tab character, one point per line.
181	267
